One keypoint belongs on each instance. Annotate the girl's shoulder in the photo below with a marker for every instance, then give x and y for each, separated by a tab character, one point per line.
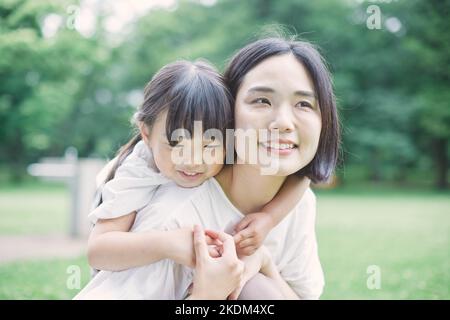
139	164
171	204
171	196
103	174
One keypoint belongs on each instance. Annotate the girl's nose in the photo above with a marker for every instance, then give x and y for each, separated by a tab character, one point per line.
192	168
282	119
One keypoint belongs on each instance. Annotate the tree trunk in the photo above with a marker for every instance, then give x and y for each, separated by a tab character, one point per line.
375	170
441	163
15	153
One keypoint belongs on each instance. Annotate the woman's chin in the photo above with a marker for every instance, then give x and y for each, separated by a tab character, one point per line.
280	166
279	169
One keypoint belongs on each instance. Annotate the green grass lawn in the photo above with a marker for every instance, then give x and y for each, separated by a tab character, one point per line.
405	234
40	208
41	279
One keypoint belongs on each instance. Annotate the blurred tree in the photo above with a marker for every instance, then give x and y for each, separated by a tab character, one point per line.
427	47
51	94
74	89
22	67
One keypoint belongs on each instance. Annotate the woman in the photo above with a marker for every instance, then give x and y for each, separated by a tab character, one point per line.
285	86
282	87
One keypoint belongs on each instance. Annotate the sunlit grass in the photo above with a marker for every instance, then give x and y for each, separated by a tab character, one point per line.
41	279
406	237
405	234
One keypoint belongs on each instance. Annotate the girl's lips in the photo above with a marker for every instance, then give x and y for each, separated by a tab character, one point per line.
190	176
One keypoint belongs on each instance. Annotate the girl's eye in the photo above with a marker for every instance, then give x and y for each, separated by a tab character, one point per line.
175	144
262	101
304	104
212	146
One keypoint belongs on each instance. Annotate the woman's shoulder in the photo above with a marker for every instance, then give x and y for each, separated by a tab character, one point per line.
308	199
305	211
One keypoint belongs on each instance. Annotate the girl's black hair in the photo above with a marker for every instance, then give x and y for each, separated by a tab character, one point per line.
324	162
189	91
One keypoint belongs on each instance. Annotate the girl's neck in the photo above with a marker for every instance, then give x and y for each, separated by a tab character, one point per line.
246	188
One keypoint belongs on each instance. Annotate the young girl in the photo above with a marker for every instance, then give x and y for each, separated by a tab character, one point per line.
178	94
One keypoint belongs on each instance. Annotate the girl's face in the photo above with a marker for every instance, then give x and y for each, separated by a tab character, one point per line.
279	94
186	174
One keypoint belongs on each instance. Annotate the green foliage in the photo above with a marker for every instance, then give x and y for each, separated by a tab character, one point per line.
69	89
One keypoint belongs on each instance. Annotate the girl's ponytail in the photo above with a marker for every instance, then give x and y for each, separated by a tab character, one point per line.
122	154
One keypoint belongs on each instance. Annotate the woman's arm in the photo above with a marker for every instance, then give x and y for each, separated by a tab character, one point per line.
112	247
270	271
253	284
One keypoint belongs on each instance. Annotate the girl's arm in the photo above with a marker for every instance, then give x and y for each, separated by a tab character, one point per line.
253	229
111	247
287	198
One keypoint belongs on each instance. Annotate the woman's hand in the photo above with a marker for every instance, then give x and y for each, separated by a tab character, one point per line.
181	248
215	278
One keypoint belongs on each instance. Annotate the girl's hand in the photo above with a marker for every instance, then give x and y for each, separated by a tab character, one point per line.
182	247
215	278
251	232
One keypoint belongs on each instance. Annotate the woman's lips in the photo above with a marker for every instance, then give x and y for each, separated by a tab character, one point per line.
280	148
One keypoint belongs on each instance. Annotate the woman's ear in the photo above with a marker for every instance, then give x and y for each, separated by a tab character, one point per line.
144	132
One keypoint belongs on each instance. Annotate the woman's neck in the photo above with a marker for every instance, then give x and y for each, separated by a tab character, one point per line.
246	188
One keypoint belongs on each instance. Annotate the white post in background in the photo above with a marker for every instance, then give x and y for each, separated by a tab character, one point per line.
80	176
87	171
71	157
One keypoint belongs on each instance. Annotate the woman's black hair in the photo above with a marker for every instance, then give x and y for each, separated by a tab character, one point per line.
188	91
324	162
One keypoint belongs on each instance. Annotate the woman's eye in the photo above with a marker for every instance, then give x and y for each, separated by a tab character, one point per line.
304	104
262	101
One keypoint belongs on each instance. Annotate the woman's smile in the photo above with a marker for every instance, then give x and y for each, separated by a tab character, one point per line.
280	147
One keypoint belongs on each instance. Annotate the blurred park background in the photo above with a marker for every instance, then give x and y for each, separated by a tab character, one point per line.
72	73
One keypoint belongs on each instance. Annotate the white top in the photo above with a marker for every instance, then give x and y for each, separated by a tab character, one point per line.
132	186
292	244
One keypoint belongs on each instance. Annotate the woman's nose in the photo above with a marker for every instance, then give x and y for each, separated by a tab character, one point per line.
282	119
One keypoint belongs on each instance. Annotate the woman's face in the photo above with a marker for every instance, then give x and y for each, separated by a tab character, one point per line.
279	94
